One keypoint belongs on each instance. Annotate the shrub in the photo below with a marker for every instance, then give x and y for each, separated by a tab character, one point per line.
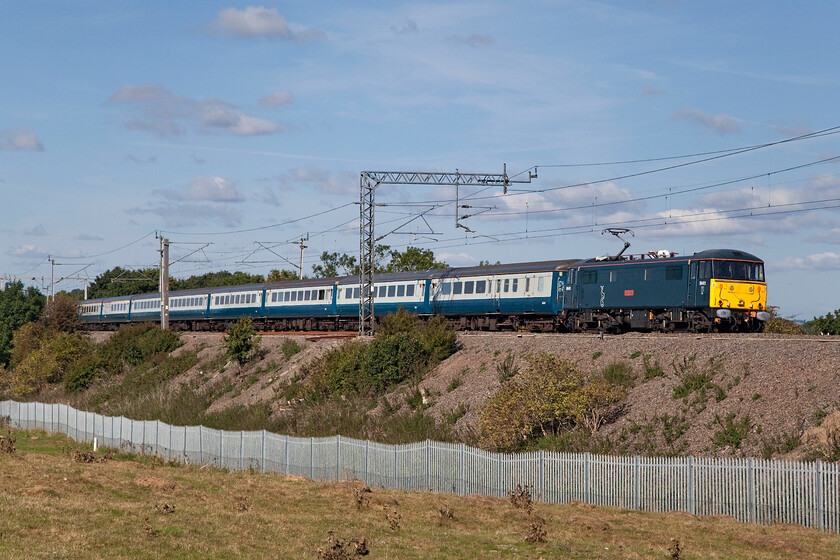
732	433
241	341
404	349
619	373
133	344
290	348
781	325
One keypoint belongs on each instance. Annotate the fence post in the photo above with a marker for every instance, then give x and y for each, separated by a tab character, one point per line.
185	445
586	496
692	501
499	475
221	449
157	435
637	483
541	494
286	458
241	450
819	497
428	466
262	452
337	457
395	468
751	489
367	456
200	446
463	476
312	458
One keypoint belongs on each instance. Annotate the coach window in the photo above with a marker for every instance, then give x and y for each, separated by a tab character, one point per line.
540	284
527	284
499	285
356	293
401	291
392	291
457	288
348	293
445	288
409	291
479	286
515	285
507	284
306	295
293	296
468	287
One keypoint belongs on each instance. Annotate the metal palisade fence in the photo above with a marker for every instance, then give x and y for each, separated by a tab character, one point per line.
750	490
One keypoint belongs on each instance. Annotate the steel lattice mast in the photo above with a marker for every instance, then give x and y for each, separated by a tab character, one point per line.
368	183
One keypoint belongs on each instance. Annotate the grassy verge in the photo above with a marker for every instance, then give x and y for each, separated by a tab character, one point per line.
55	506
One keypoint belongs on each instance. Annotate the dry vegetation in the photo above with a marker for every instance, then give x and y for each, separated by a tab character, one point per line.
55	506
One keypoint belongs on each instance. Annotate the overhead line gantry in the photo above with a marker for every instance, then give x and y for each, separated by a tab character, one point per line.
370	181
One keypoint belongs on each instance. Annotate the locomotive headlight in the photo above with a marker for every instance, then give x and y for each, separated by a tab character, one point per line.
740	303
762	316
723	313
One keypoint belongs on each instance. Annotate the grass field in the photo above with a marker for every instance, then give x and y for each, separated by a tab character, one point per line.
54	506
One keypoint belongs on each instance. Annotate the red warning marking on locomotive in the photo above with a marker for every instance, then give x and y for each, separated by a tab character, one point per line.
628	292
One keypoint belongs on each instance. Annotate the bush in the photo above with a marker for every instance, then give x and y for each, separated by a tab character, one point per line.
619	373
241	341
290	348
133	344
781	325
404	349
43	357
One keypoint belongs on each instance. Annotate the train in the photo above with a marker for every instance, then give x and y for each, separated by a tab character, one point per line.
718	290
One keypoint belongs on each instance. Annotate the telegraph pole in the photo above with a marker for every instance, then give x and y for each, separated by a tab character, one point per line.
302	247
52	278
369	181
164	283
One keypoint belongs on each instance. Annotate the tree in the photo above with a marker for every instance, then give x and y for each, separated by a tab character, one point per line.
826	324
17	307
413	258
215	280
241	342
281	275
342	264
120	281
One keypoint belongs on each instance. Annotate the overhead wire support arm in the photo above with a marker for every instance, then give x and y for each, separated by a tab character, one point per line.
368	183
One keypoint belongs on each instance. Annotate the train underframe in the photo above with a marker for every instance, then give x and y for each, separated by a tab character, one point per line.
674	319
611	321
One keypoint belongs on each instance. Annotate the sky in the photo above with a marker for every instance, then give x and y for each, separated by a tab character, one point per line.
235	129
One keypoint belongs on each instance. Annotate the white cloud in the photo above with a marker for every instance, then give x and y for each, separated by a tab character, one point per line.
187	215
817	261
323	181
28	251
277	99
258	21
38	231
457	259
649	91
140	161
20	139
165	113
209	189
721	124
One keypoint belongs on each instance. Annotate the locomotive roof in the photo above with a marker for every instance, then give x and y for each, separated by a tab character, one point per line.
726	254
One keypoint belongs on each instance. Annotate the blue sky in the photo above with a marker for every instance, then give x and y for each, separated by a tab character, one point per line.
235	128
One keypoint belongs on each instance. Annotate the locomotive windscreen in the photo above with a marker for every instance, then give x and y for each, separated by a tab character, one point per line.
732	270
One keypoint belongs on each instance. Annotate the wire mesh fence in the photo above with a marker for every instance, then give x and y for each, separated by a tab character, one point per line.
750	490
